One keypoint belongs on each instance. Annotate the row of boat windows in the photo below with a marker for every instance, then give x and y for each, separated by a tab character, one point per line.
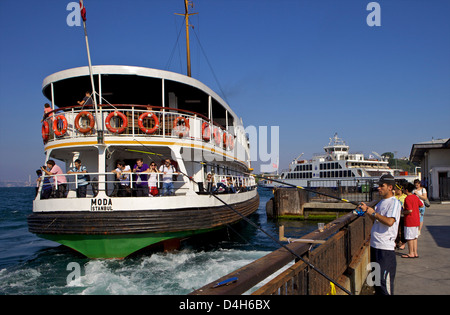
299	175
303	167
326	174
322	166
332	174
330	166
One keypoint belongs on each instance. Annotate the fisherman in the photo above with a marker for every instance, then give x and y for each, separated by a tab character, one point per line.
386	217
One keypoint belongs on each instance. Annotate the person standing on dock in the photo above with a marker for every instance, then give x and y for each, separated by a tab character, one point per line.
386	217
412	221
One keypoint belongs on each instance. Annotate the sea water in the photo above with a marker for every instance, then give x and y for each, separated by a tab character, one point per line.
31	265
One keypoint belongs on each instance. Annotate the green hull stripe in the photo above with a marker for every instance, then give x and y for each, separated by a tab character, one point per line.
114	246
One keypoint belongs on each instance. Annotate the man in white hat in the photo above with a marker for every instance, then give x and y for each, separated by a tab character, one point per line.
386	217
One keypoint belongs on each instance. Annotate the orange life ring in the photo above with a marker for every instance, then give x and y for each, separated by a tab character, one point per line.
45	131
206	136
55	125
141	122
91	122
181	132
225	140
124	122
217	136
230	142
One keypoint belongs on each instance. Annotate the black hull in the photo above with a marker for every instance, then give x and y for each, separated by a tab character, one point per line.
131	222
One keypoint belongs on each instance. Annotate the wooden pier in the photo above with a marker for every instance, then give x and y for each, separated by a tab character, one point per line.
297	202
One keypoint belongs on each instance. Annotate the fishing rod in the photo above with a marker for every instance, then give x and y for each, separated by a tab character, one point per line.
306	189
146	152
358	211
273	238
262	230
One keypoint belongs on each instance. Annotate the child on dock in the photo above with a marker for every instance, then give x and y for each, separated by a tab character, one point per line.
412	221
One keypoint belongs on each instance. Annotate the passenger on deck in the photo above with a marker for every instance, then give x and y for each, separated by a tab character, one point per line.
82	180
121	171
221	187
153	180
230	186
168	170
60	180
87	100
47	109
209	183
141	181
47	189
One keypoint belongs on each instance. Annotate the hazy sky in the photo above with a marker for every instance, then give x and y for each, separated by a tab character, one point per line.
312	67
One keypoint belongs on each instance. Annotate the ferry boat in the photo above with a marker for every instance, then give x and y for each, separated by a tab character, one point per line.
337	166
142	113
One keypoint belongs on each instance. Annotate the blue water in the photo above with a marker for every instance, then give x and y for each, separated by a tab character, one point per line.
30	265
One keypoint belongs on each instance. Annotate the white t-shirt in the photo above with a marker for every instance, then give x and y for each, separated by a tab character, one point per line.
420	192
167	178
152	180
124	177
383	236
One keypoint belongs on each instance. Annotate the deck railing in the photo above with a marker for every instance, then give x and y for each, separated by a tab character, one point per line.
239	183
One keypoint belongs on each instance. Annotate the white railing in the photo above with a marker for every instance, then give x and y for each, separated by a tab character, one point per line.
232	183
140	121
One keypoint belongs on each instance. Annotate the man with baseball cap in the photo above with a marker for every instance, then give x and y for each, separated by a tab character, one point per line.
386	217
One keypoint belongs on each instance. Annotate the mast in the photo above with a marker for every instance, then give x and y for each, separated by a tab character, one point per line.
186	15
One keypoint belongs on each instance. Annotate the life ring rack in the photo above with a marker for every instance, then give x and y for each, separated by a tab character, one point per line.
63	131
206	131
91	122
141	122
181	132
45	131
217	137
119	129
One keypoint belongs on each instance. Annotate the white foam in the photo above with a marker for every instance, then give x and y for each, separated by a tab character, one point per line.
173	273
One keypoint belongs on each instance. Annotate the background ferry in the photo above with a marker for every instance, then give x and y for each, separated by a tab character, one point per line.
336	164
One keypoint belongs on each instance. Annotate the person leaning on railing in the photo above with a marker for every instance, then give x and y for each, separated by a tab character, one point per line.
82	180
60	179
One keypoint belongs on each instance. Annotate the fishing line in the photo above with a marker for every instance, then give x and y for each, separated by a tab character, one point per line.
266	233
275	240
306	189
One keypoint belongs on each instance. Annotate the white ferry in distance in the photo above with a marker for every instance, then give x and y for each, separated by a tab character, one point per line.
337	164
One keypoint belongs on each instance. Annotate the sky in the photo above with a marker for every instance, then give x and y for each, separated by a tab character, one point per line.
310	67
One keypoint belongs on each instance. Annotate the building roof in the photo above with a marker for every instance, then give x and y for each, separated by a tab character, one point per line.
418	150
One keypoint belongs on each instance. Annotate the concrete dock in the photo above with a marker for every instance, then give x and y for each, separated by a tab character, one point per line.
430	273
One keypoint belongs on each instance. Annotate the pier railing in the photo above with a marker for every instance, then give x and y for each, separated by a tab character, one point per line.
350	189
345	239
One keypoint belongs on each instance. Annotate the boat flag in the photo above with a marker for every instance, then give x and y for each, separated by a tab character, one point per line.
82	11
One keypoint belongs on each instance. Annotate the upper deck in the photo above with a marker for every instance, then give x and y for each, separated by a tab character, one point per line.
139	103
